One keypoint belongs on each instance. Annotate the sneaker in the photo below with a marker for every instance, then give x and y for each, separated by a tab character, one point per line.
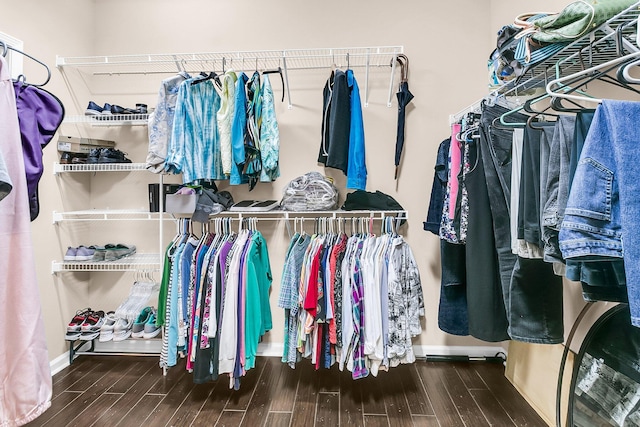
122	329
94	155
98	253
79	158
150	328
112	155
137	330
106	330
90	329
106	110
74	327
70	255
84	253
93	109
114	252
66	158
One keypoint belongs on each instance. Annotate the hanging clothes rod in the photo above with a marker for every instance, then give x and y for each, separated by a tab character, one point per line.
288	59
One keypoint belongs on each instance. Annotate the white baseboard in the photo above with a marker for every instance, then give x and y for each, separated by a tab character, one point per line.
275	350
59	363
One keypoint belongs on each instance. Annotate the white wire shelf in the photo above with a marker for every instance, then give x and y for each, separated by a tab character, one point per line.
614	38
98	167
293	59
135	262
110	120
107	215
278	214
286	59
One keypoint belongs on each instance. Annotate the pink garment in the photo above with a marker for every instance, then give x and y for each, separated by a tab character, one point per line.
455	156
25	375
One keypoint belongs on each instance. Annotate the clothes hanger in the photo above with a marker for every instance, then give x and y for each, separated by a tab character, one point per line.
22	78
555	85
623	74
279	71
536	113
509	125
600	75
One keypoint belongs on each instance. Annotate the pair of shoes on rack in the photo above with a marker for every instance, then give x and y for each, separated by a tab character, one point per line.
140	109
94	109
145	324
107	155
110	252
90	329
80	253
74	327
108	110
67	158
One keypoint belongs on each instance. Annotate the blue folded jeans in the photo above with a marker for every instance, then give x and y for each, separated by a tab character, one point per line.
603	207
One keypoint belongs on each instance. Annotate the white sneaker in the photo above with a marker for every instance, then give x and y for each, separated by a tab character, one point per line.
122	329
106	330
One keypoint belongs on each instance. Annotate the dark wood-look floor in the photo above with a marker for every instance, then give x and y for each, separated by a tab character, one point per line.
131	391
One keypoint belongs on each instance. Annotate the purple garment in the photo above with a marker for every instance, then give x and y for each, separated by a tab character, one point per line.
40	114
222	259
357	340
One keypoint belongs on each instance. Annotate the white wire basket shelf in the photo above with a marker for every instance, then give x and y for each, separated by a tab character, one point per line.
135	262
293	59
110	120
107	215
98	167
382	58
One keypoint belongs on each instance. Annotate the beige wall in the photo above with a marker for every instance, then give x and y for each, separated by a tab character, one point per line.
447	42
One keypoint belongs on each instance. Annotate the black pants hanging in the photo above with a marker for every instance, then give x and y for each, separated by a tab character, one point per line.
486	308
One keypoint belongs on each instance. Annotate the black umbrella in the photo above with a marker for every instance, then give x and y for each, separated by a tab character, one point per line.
404	98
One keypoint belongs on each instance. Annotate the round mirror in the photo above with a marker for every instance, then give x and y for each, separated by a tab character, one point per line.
605	385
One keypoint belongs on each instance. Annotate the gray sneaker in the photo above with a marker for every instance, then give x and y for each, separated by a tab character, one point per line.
114	252
99	253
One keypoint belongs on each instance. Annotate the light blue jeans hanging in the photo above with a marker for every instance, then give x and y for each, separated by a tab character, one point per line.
603	211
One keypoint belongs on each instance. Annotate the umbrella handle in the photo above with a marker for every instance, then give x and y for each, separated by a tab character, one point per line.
403	60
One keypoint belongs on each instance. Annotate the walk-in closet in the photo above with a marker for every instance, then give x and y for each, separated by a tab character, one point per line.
321	214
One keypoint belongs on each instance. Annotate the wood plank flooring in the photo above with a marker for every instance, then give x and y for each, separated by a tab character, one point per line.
131	391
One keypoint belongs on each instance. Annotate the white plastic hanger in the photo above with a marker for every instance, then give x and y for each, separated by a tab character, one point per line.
558	84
